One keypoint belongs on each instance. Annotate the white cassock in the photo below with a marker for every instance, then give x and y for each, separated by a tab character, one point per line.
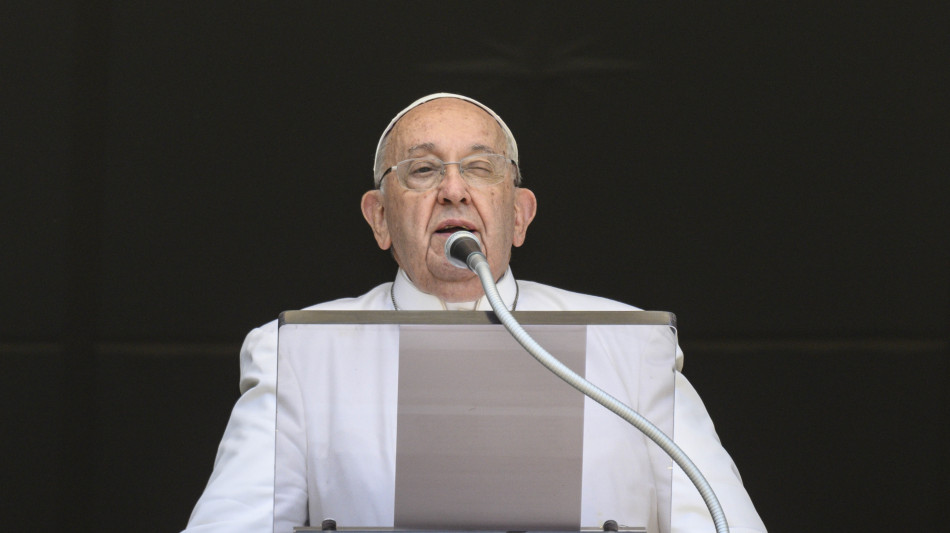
240	494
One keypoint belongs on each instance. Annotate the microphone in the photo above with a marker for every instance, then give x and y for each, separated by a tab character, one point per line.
464	250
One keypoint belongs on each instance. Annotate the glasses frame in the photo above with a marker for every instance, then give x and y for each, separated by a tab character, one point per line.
445	164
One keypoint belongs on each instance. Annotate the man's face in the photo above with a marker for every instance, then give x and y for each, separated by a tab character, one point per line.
416	224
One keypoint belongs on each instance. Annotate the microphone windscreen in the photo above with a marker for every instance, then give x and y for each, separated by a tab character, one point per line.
459	246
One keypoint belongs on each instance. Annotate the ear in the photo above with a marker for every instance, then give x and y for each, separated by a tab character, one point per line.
526	205
374	213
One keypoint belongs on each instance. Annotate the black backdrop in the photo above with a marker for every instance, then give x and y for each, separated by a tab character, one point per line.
174	174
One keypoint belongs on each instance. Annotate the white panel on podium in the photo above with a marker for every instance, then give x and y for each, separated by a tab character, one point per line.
440	420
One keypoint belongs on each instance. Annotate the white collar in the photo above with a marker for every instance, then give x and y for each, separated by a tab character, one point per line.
406	296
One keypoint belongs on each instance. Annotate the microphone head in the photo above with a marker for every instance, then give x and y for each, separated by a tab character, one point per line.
459	246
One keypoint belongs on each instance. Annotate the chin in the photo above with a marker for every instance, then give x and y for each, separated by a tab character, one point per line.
444	271
453	273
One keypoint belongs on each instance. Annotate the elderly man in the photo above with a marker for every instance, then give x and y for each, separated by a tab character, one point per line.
444	163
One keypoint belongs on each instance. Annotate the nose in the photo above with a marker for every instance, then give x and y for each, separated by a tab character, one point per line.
453	188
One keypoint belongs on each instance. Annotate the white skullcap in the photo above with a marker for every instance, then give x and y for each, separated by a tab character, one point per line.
512	145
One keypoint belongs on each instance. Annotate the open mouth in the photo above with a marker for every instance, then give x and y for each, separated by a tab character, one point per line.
452	228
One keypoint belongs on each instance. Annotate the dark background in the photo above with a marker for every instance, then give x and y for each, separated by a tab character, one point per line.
176	173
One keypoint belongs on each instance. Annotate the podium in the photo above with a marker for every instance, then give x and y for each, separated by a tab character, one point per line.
405	420
330	525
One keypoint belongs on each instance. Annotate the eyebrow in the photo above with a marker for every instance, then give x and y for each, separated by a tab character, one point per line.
424	147
430	147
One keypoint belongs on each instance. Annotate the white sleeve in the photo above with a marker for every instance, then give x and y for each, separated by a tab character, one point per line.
694	432
239	496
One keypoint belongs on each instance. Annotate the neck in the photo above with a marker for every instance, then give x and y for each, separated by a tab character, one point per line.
408	296
455	286
467	291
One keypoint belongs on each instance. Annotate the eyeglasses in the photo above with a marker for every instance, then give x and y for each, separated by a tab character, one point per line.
424	173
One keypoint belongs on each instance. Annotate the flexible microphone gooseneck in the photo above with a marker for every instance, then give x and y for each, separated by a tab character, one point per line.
463	250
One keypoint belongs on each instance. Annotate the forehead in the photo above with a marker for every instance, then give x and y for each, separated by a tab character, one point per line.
446	123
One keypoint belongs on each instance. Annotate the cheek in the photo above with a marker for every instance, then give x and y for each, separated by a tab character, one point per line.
406	224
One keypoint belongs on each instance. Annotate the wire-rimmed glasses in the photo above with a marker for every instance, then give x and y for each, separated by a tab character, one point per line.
424	173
